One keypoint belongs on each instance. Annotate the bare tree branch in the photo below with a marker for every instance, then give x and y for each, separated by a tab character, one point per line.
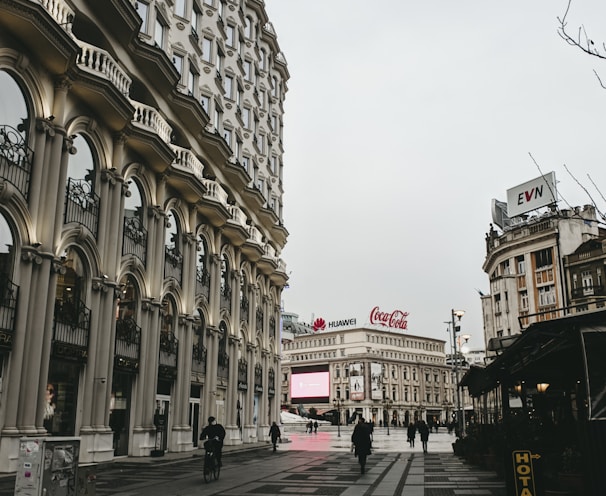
582	39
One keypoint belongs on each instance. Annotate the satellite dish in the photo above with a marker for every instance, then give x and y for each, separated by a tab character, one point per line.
499	214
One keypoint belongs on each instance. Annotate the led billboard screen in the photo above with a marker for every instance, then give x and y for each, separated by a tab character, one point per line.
310	384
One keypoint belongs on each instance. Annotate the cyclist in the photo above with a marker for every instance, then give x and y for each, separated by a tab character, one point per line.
216	433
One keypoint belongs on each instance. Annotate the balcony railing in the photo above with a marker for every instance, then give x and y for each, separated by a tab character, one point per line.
101	63
186	160
198	362
15	159
223	366
9	296
150	119
214	191
225	300
71	329
169	350
60	11
82	204
128	344
173	264
203	282
134	239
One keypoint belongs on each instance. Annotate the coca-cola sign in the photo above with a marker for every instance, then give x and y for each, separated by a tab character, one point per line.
395	319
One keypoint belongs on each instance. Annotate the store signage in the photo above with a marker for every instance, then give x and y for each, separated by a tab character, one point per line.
531	195
523	472
396	318
320	324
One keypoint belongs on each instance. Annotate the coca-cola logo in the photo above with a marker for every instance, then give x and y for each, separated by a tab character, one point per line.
319	324
396	319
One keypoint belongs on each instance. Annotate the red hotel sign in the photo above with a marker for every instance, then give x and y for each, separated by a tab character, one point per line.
396	319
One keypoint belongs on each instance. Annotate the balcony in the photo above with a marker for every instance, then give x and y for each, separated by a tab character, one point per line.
82	205
9	297
236	229
173	264
213	204
169	350
15	159
203	282
198	362
71	330
268	262
134	239
253	246
223	366
151	136
187	174
127	345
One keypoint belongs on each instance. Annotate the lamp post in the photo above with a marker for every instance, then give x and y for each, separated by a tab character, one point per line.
456	316
338	404
387	405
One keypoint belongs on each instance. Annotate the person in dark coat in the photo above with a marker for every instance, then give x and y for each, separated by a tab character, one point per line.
411	432
215	434
424	433
275	434
361	441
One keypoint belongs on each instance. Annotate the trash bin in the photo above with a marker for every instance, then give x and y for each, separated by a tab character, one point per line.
47	465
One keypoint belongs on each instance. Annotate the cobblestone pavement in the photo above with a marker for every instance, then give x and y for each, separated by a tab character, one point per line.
318	464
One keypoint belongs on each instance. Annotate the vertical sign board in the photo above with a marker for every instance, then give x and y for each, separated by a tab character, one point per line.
523	472
376	373
594	347
356	382
531	195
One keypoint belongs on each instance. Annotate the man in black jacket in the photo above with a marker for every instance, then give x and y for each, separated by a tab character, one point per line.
215	434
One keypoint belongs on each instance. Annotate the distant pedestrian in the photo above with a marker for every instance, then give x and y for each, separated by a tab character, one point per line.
315	426
412	432
360	439
275	434
310	427
424	434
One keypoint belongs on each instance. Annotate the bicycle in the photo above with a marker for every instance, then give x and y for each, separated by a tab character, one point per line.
212	469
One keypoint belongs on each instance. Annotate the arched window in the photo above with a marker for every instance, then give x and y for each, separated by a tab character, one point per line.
202	269
173	258
225	287
8	290
134	240
128	333
243	296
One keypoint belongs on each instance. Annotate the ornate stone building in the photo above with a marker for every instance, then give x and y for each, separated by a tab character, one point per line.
140	222
382	374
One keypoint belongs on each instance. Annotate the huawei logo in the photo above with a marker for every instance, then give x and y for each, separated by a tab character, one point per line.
319	324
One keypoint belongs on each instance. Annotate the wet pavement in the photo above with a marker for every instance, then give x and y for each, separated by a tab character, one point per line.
308	464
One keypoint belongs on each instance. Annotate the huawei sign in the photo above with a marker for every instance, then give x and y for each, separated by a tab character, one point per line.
396	319
319	324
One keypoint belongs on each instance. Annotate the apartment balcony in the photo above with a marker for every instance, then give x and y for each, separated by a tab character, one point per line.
198	362
253	246
151	136
203	282
9	296
252	196
15	159
71	330
169	350
237	175
268	262
82	205
134	239
280	233
127	345
279	277
588	292
268	217
236	229
187	174
213	203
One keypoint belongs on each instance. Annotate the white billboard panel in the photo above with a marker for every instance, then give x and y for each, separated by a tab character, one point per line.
356	382
376	372
531	195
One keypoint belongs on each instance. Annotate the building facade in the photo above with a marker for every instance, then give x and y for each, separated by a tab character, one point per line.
381	374
141	222
529	278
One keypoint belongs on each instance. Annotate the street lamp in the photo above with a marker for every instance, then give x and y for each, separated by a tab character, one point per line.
338	404
387	405
456	316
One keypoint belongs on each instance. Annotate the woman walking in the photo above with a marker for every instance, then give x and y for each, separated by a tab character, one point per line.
275	434
361	441
424	434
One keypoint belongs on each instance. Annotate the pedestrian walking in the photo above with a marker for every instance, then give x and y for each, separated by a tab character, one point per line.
315	426
310	427
275	434
424	434
412	432
360	439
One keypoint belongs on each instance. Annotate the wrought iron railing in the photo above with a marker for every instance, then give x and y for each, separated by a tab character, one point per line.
82	204
169	347
15	159
9	296
173	263
203	282
128	344
223	366
71	328
134	240
225	301
198	362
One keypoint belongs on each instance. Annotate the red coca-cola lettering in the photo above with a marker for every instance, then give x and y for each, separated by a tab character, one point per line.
396	319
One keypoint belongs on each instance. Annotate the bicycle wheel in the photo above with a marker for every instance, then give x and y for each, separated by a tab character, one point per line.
208	467
216	470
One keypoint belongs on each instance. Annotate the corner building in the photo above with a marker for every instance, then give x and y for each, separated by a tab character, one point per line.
381	374
140	222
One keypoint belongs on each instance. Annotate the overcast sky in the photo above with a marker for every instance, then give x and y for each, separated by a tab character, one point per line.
403	120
